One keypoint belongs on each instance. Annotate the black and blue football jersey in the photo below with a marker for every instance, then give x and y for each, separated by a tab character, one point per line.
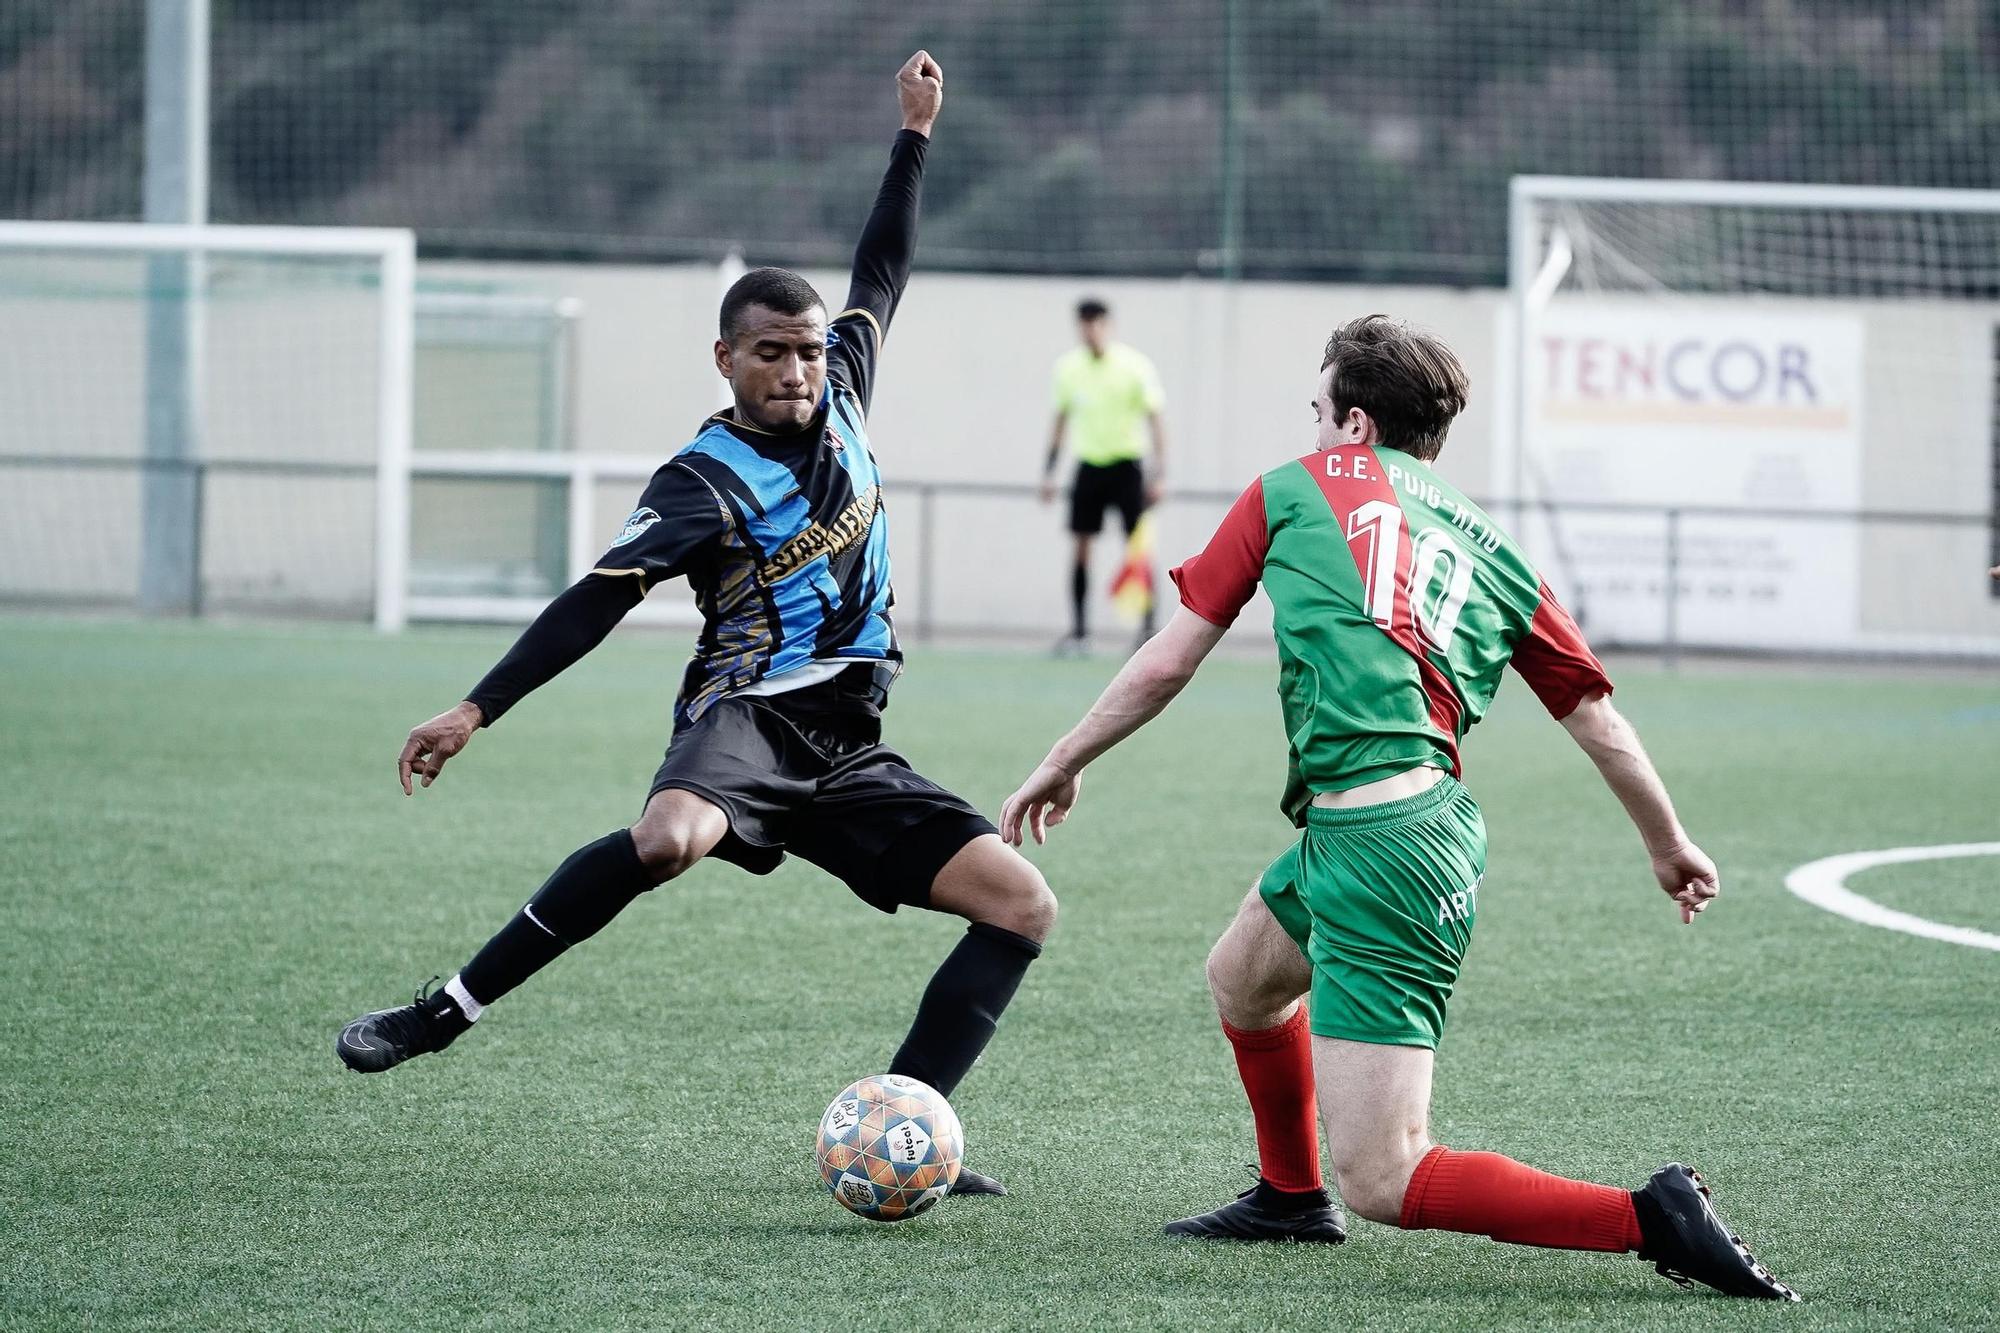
782	537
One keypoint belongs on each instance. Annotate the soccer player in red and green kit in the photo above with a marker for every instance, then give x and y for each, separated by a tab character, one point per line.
1397	603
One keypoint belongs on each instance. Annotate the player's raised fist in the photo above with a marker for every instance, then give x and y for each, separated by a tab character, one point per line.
920	87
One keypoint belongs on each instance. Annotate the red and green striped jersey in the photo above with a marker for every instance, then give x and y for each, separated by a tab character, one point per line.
1396	602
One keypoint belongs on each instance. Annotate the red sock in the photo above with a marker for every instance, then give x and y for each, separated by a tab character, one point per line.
1277	1072
1486	1194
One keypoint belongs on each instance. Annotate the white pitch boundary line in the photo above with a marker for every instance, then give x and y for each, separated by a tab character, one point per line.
1823	883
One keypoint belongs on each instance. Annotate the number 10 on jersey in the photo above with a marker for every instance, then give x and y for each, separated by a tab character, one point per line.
1431	591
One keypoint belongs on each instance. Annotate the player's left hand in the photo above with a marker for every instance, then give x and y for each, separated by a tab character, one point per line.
1687	876
431	743
1043	802
920	88
1156	490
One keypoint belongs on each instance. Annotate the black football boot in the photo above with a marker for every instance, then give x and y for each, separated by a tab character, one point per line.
1687	1242
1264	1213
384	1039
971	1182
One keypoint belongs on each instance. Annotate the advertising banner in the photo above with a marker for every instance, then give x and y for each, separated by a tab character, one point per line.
1699	405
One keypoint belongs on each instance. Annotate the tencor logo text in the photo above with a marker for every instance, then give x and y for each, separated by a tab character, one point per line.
1688	378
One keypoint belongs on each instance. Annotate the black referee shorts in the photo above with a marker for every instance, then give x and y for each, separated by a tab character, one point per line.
821	784
1120	486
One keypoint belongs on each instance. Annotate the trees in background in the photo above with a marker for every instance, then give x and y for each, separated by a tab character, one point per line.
1375	136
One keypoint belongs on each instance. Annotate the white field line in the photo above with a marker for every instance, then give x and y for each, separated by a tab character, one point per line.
1823	883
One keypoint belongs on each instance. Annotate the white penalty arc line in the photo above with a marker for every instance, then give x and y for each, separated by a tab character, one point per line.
1823	883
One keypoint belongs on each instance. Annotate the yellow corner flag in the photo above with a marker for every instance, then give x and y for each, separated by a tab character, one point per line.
1132	590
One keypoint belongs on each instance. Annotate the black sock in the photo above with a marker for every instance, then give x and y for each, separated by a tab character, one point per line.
1079	590
592	886
963	1004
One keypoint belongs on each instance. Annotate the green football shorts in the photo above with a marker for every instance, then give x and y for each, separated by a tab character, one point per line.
1381	898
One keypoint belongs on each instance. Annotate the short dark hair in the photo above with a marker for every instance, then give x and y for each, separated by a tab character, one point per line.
1090	308
1409	382
777	289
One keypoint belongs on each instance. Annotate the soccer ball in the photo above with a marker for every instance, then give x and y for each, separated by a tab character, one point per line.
889	1147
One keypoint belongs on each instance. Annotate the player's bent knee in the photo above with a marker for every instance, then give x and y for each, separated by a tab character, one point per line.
1373	1184
1027	906
1019	899
1224	976
1251	1004
1373	1192
666	858
990	882
667	850
1247	990
677	829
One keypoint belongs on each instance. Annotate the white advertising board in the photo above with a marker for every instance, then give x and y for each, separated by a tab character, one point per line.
1699	405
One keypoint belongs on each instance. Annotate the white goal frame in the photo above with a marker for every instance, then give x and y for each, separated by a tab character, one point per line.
1537	266
394	253
584	538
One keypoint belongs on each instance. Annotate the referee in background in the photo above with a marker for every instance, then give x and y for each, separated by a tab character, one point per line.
1103	391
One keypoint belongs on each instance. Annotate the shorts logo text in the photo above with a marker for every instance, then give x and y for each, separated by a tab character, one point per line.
1459	906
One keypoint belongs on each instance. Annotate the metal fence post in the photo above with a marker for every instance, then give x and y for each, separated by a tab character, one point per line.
926	563
174	189
1230	237
1670	648
195	539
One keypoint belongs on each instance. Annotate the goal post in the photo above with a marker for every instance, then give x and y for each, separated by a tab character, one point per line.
1758	416
297	411
594	493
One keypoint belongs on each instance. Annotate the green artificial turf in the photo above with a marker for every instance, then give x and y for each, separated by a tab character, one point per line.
207	868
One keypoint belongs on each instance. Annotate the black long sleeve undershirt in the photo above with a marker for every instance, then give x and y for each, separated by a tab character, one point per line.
888	241
572	624
882	258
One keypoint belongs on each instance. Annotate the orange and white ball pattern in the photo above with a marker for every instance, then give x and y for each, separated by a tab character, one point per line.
889	1147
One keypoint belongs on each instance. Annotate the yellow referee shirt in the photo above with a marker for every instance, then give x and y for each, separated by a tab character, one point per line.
1106	400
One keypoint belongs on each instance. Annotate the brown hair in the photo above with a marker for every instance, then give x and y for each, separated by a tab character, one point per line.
1409	382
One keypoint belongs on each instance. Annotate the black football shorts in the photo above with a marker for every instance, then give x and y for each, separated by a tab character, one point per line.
1120	486
821	784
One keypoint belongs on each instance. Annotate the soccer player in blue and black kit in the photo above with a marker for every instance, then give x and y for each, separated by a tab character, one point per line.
774	515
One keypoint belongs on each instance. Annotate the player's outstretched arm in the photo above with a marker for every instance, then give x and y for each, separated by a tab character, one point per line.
568	627
1136	695
888	244
1683	870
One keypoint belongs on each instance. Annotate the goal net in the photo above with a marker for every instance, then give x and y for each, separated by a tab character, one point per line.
1759	416
202	418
